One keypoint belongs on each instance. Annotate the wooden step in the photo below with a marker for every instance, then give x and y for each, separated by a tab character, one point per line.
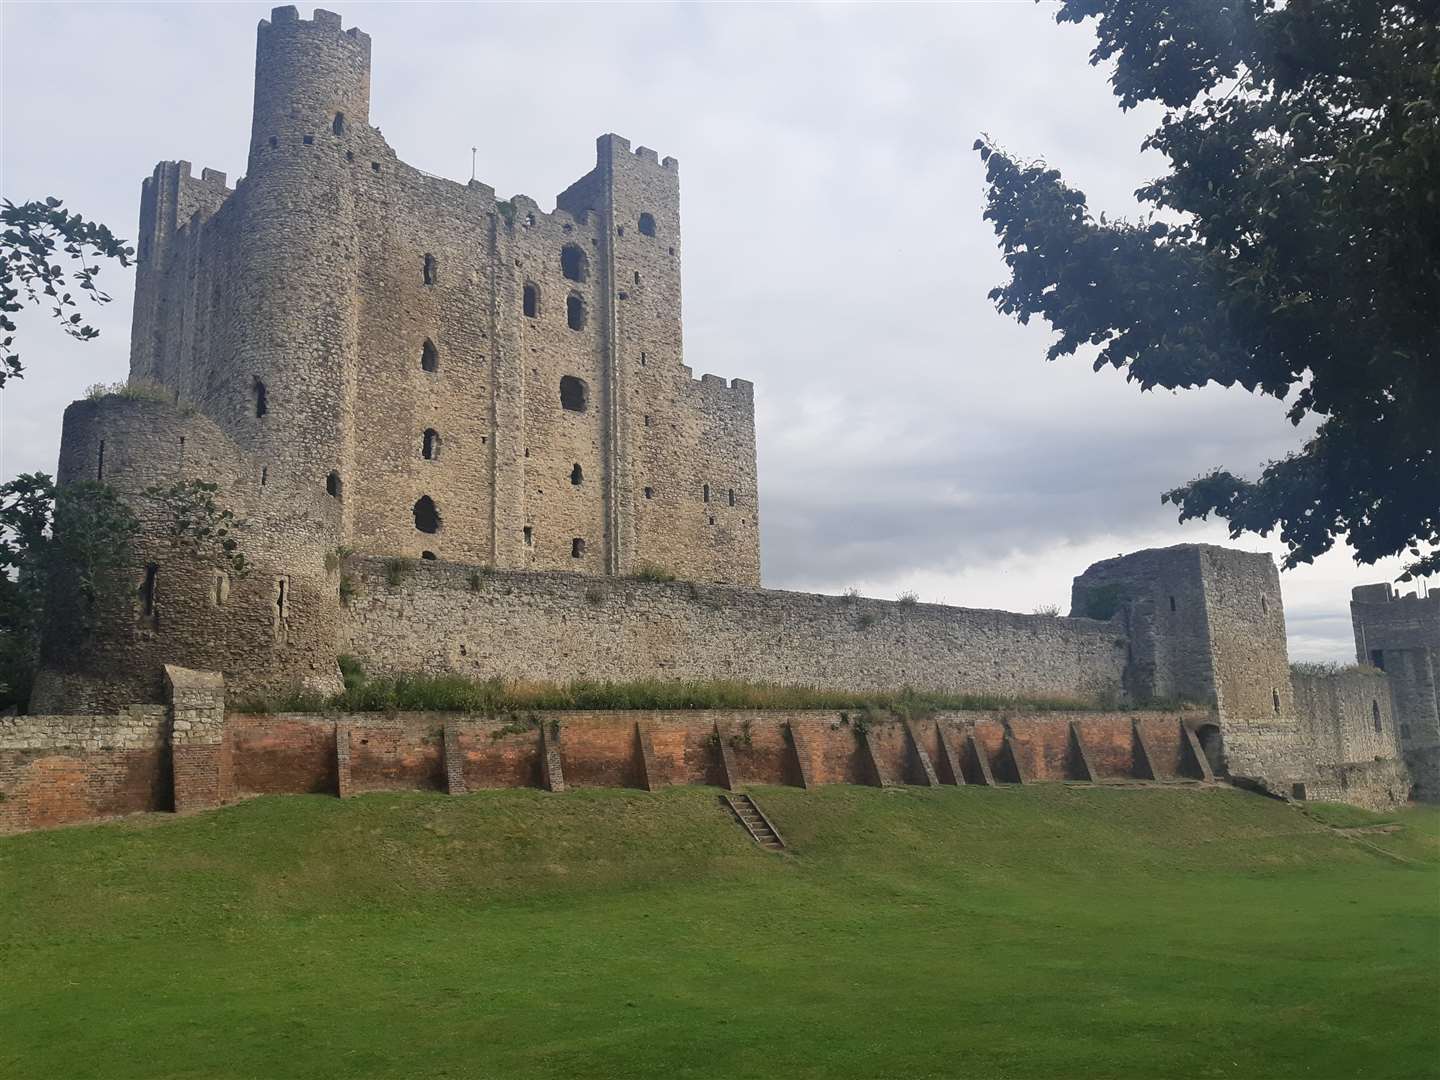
754	821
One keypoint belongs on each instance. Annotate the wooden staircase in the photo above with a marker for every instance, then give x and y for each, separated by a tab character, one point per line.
756	823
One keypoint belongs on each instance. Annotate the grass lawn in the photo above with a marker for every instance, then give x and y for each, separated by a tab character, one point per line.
1049	931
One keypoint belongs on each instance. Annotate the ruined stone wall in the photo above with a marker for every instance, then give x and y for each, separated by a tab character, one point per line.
1401	635
1341	746
445	618
1248	648
1207	624
1159	598
272	628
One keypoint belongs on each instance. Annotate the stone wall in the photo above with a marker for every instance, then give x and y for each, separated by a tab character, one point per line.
60	769
558	627
1341	746
383	311
273	627
1401	636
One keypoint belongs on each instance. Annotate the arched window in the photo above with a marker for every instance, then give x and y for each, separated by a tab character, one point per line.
531	301
429	556
332	485
430	269
427	517
574	394
1275	700
429	356
577	475
577	548
1375	715
575	312
339	125
647	224
430	445
706	492
574	263
262	399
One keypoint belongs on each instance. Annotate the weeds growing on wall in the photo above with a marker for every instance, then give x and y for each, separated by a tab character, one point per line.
396	571
136	390
495	696
650	572
1328	667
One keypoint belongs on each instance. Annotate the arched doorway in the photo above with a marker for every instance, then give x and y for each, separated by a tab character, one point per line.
1209	736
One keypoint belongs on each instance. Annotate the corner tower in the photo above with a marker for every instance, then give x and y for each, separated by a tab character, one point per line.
311	76
1206	625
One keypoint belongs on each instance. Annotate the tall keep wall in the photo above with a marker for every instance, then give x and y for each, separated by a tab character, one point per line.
440	618
329	269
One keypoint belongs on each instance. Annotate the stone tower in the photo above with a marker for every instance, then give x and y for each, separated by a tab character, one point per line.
1400	635
370	359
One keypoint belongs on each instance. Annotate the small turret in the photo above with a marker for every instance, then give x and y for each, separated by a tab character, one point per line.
312	78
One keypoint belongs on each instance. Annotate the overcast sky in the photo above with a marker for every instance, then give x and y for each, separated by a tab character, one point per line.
910	437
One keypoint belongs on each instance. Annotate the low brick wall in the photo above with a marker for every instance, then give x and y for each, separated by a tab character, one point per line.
59	769
55	770
296	752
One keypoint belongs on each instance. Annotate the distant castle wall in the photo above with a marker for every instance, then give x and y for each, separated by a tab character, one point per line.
445	618
1206	623
1401	636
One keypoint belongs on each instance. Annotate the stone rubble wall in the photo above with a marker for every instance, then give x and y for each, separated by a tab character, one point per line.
441	618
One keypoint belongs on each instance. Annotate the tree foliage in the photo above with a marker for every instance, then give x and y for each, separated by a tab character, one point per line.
64	554
196	523
33	236
1293	249
67	556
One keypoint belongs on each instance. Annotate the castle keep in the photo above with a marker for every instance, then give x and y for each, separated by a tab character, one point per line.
465	442
371	358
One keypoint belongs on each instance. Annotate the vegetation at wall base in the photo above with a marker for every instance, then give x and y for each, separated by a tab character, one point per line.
497	696
1046	931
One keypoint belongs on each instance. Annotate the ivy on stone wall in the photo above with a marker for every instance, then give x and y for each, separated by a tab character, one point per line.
196	523
64	556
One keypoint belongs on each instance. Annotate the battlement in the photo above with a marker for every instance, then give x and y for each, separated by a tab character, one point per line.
614	147
1384	593
289	16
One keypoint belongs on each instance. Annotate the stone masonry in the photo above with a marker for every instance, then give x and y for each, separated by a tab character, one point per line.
369	358
1400	635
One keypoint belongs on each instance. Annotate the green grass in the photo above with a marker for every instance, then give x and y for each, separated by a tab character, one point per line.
1050	931
455	693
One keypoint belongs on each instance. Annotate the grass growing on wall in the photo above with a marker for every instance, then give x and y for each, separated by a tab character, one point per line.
454	693
1047	931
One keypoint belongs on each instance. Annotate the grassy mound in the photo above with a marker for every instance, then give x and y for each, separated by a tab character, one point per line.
1039	932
